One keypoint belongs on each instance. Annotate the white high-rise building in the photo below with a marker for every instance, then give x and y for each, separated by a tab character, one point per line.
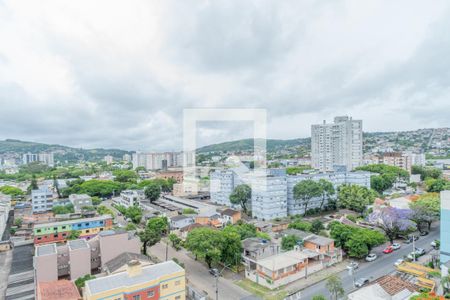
337	145
160	160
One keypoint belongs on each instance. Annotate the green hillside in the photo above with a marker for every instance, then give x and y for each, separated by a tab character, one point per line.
247	145
62	153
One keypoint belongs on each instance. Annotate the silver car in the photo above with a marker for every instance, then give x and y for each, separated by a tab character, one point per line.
361	281
371	257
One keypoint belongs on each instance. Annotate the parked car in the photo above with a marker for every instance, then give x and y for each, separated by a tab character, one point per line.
416	253
352	265
388	250
396	246
435	244
371	257
424	233
214	272
398	262
361	281
411	238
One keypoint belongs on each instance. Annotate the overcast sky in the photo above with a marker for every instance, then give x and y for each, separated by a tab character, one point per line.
119	73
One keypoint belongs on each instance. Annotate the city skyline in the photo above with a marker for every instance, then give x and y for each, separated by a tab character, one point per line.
87	80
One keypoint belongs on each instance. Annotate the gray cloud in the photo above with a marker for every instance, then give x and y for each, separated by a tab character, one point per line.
110	74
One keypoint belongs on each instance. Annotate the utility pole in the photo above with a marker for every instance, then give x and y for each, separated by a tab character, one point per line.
414	247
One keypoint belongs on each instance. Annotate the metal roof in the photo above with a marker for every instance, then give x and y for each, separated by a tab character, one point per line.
122	279
78	244
69	222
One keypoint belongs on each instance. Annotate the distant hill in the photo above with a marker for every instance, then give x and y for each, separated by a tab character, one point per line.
62	153
247	145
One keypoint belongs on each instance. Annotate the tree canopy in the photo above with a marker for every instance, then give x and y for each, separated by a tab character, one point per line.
355	197
388	175
305	190
241	195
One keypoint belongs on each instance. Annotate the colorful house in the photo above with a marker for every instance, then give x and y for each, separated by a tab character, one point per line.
59	231
161	281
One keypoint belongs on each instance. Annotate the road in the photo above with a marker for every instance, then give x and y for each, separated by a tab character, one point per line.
198	274
383	265
120	219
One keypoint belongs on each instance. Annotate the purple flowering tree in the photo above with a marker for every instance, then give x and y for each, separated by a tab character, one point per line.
393	221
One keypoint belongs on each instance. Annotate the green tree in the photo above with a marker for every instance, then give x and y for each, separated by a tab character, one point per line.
230	249
288	242
81	281
355	197
437	185
154	230
125	176
18	222
388	175
305	190
175	240
96	201
12	191
334	286
204	243
63	209
73	235
134	213
33	185
326	191
319	297
152	191
426	209
241	195
317	226
103	210
130	227
300	225
356	248
56	186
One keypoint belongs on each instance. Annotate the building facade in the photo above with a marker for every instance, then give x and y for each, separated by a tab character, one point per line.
44	157
337	144
161	160
272	195
79	201
166	280
445	227
80	257
41	200
59	231
129	198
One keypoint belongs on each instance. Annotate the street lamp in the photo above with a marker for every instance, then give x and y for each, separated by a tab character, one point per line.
217	280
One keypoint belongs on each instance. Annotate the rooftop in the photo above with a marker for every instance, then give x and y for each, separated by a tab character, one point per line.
319	240
179	218
253	244
78	244
229	212
123	259
46	249
56	290
122	279
282	260
69	222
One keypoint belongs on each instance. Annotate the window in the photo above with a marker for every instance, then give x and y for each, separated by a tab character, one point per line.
87	230
137	297
177	282
165	286
38	230
178	297
55	235
150	294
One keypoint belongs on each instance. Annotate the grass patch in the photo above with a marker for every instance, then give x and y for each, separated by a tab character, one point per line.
260	291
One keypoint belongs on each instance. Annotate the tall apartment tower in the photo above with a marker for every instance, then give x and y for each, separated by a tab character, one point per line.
337	145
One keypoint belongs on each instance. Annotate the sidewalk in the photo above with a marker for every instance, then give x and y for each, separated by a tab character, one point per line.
316	277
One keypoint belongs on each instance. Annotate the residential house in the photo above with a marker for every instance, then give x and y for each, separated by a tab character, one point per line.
210	218
230	216
386	288
180	221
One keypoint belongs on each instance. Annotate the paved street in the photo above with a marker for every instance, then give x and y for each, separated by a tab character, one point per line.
198	274
120	219
372	270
